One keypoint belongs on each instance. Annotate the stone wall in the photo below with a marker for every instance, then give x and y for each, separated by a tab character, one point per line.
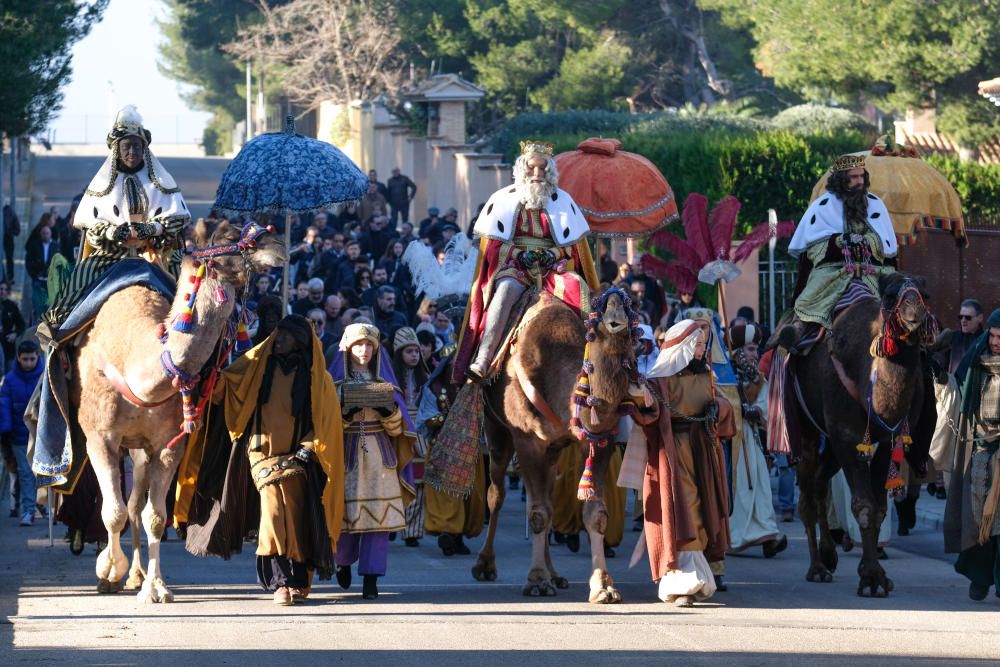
447	174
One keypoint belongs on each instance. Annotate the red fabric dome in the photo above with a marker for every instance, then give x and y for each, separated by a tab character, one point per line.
620	193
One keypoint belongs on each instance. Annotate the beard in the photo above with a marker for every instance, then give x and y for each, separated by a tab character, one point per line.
855	204
534	195
697	365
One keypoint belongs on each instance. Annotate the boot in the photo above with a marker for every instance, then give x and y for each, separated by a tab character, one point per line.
344	576
505	295
369	587
446	543
460	547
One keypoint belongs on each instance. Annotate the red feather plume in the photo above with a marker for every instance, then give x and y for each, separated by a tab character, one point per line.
722	221
759	236
678	247
695	218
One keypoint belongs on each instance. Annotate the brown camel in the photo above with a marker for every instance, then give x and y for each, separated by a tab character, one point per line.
835	404
548	357
124	340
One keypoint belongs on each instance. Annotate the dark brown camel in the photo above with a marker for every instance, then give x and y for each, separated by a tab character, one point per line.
548	356
837	402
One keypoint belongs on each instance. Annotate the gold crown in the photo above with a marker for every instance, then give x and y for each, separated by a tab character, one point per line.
537	147
848	162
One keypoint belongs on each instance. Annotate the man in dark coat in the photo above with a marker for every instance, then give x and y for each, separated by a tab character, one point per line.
401	192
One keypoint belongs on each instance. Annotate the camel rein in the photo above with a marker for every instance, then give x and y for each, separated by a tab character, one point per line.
183	322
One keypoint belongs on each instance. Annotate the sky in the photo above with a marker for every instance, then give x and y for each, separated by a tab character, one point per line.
107	76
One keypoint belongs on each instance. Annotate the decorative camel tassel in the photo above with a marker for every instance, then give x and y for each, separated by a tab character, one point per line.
864	448
893	482
190	412
585	490
242	337
184	321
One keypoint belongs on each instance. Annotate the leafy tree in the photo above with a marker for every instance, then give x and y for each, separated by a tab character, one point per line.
35	55
898	53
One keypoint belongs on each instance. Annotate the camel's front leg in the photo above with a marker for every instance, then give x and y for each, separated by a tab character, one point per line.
112	565
873	581
595	519
154	519
136	500
538	473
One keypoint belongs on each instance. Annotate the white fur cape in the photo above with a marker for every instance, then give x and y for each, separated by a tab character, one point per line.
105	197
825	217
499	217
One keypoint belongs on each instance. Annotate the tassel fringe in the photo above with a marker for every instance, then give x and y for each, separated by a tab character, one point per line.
585	490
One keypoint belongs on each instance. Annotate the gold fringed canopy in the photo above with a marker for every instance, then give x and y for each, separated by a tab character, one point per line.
917	195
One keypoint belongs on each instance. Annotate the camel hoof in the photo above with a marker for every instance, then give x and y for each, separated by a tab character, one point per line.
539	589
485	569
875	587
135	580
106	586
829	558
819	574
154	591
608	595
560	582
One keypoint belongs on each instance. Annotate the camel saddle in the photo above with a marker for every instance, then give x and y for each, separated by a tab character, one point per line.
59	447
527	307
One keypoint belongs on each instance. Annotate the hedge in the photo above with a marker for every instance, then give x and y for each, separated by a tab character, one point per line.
720	155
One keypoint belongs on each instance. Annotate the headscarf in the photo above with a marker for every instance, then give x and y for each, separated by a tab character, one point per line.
677	350
357	332
970	371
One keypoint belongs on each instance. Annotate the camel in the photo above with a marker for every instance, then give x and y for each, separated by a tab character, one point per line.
547	357
110	422
834	403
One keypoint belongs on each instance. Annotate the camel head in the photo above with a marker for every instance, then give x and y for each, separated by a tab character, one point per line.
612	334
614	318
266	251
904	296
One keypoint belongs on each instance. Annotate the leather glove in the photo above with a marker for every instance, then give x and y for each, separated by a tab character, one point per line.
384	412
146	230
304	454
122	232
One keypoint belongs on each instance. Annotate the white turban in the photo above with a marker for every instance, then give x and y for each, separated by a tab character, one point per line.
678	349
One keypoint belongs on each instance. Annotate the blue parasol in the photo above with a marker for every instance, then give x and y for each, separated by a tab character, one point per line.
285	172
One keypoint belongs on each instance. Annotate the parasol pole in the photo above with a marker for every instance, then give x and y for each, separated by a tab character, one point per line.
772	244
285	270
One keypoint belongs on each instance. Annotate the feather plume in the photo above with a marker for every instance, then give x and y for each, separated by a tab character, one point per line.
457	269
722	221
428	278
759	236
681	277
695	218
678	247
677	273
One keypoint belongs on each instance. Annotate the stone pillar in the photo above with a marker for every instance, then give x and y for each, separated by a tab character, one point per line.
451	122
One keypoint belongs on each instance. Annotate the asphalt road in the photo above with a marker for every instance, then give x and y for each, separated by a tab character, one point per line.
431	611
59	178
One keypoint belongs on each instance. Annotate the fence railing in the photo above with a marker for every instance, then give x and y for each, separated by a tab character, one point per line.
785	274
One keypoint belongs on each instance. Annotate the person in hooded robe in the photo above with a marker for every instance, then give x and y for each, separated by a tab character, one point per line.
685	495
132	208
378	449
752	521
972	512
409	369
277	431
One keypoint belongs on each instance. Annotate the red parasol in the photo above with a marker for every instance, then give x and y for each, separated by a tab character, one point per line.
620	193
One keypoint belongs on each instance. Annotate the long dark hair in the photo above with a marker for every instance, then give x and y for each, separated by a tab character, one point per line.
399	368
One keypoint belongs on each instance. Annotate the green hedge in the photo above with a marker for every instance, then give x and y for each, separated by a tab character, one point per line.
717	156
978	187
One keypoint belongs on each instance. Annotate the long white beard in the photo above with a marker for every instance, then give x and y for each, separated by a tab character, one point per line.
534	195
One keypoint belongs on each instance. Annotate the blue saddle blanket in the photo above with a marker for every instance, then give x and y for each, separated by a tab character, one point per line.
60	449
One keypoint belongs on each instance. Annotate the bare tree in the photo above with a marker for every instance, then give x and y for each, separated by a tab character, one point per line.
342	50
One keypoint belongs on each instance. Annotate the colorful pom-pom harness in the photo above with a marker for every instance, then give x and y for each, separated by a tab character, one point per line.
183	322
582	396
